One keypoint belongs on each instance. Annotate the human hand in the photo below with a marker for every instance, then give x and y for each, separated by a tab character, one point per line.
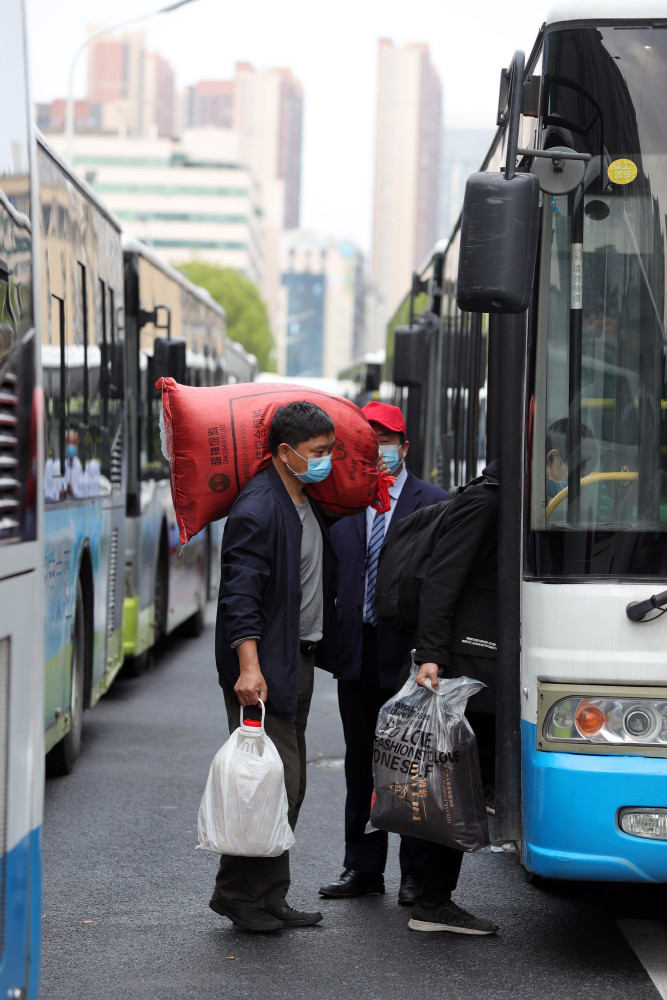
251	686
428	672
382	465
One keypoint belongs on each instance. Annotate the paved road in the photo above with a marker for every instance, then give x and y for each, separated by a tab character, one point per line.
125	893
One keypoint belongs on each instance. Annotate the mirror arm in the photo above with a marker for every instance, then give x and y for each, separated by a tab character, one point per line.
555	154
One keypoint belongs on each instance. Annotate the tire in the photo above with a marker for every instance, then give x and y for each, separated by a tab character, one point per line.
61	759
135	666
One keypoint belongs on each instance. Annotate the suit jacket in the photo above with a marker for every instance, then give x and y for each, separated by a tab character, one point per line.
260	589
348	539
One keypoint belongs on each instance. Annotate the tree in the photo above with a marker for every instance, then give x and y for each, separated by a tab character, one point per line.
247	316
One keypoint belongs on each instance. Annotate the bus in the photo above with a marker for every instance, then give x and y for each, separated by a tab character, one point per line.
115	318
172	327
84	481
538	336
21	536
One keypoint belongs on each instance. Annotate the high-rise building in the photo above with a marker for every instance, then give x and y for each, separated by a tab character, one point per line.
464	144
322	303
212	103
407	163
134	88
186	198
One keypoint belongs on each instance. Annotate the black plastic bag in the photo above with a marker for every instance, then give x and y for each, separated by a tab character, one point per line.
426	768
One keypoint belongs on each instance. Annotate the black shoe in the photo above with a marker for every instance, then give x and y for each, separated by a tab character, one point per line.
449	917
353	883
410	890
294	918
254	918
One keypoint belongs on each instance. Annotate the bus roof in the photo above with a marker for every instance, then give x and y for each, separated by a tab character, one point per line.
132	245
607	10
77	180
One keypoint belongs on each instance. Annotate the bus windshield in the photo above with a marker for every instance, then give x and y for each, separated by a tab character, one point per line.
598	409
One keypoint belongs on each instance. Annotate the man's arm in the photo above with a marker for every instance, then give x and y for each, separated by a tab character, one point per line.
251	684
448	569
245	572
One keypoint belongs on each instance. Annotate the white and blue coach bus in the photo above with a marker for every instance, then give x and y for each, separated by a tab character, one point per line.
547	307
21	548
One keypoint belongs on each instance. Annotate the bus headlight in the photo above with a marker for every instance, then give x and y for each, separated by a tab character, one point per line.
607	720
643	821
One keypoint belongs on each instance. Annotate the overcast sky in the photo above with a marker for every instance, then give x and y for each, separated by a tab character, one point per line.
330	47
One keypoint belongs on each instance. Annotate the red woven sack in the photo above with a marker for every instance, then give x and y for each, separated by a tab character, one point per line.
216	439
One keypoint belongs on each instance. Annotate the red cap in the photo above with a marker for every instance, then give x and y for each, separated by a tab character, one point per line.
385	414
252	722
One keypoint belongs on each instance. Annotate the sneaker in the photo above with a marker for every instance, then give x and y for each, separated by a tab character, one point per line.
253	918
449	917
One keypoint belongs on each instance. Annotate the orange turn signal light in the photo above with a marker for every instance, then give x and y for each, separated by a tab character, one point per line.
589	718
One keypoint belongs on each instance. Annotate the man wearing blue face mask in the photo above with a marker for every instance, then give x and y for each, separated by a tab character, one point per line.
275	612
370	657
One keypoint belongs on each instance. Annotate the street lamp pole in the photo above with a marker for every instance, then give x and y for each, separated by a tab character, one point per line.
69	116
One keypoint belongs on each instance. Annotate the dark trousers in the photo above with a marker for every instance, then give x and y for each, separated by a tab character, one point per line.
250	882
444	863
359	703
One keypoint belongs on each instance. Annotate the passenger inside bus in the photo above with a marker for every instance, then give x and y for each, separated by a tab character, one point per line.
69	478
557	472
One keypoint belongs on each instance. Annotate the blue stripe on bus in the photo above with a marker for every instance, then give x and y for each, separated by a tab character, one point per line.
570	807
23	916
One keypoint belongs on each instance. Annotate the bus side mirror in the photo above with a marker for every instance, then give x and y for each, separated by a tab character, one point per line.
373	377
499	231
168	361
411	351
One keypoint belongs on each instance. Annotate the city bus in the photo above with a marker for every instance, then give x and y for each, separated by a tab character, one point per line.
84	472
538	336
115	318
172	327
21	536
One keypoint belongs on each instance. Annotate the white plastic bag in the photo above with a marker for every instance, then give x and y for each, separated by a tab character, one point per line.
243	809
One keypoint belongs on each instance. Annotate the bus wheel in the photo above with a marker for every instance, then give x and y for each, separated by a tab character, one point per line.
61	759
135	666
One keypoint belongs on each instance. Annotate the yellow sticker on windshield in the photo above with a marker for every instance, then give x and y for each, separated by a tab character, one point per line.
622	171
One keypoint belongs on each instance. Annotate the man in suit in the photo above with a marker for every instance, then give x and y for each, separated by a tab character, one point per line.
370	657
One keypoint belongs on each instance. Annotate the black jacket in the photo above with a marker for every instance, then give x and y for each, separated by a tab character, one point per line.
260	589
458	599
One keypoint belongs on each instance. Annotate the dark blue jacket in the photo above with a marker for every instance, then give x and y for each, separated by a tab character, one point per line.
260	589
348	539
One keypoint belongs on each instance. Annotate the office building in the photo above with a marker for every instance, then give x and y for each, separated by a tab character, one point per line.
464	144
321	323
407	164
186	198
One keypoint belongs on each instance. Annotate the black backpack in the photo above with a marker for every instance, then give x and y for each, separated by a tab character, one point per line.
404	561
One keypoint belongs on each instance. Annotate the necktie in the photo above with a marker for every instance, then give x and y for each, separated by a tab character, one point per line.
372	557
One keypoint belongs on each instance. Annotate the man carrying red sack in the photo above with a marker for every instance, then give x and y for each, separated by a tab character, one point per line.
275	611
370	657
